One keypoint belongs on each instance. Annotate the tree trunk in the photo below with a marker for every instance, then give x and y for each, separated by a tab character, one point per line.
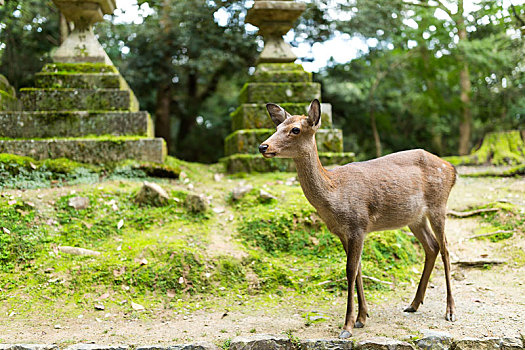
162	114
377	140
465	124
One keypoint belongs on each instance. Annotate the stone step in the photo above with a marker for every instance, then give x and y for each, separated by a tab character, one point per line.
247	141
277	73
60	67
78	100
257	163
279	92
79	80
74	124
255	116
89	150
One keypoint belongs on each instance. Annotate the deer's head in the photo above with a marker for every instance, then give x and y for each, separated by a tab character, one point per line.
295	133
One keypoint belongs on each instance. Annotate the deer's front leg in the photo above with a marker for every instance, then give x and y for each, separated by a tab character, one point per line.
353	256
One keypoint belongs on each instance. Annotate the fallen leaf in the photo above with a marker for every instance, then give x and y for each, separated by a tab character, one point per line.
12	202
6	230
119	272
137	307
33	166
103	296
171	293
181	280
99	307
120	224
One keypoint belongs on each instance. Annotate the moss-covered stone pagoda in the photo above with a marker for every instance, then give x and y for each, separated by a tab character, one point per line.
81	108
278	80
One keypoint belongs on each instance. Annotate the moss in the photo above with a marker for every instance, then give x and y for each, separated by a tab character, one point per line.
279	92
66	80
79	68
497	148
513	171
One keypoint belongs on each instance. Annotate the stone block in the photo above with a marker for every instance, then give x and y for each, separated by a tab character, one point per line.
477	344
74	124
28	347
82	346
435	340
79	68
8	100
255	116
286	76
92	150
381	343
78	100
78	80
326	344
248	163
248	140
262	342
195	346
279	92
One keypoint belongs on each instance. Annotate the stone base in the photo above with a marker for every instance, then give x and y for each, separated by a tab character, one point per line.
257	163
248	141
93	150
74	124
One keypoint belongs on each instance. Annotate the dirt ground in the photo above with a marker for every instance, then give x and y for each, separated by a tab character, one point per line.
489	302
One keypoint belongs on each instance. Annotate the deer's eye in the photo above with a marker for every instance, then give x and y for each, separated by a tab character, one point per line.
296	131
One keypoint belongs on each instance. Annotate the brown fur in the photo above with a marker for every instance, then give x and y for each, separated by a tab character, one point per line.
408	188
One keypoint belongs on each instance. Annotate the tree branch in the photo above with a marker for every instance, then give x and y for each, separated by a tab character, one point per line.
442	6
520	20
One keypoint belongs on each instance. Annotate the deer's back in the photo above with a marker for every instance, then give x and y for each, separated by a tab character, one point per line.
392	191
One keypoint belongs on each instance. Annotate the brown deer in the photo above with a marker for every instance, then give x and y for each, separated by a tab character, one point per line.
408	188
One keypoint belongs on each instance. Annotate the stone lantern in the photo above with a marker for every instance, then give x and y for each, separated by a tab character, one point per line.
279	80
82	45
274	19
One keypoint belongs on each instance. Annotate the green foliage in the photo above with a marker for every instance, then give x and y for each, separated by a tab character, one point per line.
21	231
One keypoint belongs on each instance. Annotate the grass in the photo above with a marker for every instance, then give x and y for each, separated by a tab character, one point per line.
162	257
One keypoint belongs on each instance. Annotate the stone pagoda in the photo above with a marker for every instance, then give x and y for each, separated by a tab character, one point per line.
278	80
81	108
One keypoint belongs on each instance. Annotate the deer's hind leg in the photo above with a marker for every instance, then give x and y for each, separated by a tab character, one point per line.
437	221
422	232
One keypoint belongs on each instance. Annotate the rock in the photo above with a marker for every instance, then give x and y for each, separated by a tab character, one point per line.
99	307
434	340
196	346
196	203
152	194
28	347
478	344
78	203
381	343
77	251
265	196
82	346
512	343
262	342
322	344
239	192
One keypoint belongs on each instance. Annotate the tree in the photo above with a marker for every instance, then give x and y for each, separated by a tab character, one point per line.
178	59
28	32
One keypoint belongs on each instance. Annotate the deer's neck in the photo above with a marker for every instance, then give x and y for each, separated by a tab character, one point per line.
313	177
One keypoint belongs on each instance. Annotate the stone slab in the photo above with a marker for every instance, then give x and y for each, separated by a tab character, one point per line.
288	76
255	116
326	344
78	80
195	346
262	342
77	68
381	343
248	140
488	343
78	100
248	163
74	124
28	347
94	151
279	92
83	346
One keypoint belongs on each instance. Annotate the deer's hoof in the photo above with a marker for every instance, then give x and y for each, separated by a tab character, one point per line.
410	309
345	334
359	324
450	317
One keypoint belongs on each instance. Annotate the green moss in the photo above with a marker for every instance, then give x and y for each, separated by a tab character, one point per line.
279	92
67	80
497	148
513	171
75	68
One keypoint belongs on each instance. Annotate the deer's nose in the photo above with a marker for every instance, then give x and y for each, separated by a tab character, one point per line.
263	148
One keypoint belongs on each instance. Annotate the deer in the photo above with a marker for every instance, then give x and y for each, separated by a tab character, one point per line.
407	188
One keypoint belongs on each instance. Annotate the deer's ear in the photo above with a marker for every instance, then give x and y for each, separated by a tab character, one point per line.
314	114
277	113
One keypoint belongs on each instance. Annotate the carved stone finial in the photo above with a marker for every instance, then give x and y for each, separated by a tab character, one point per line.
274	19
81	45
